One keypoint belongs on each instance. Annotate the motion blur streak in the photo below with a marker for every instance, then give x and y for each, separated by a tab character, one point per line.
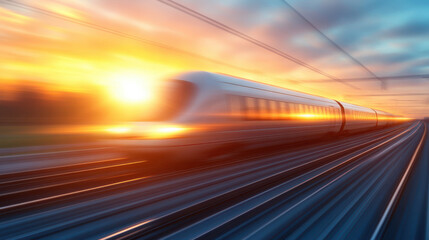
215	119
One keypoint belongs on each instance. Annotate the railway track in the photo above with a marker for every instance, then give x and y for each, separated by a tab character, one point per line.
236	219
221	200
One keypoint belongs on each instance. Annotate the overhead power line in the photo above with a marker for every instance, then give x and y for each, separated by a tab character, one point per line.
388	95
139	39
252	40
374	76
125	35
384	78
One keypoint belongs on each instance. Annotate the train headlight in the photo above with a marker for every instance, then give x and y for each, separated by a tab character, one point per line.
118	129
161	132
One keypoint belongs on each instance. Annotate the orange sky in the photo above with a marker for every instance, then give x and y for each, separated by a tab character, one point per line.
149	40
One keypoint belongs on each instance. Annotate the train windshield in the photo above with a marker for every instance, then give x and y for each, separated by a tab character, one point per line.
172	99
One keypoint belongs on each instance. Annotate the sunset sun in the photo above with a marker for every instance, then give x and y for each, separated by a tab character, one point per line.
131	88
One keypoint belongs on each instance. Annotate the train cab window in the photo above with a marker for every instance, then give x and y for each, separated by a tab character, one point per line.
173	99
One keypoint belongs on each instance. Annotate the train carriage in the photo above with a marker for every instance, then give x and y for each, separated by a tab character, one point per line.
201	113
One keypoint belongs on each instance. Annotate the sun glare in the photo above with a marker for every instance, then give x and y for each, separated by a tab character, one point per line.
131	88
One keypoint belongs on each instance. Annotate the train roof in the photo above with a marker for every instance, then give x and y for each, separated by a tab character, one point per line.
202	77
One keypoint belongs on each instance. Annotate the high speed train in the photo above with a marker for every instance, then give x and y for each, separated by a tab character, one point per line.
202	114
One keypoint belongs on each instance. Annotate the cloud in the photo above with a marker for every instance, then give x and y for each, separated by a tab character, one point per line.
410	29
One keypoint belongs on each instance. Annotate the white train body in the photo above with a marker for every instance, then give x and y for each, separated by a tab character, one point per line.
214	112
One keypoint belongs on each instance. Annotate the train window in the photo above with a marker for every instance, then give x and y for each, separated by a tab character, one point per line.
310	110
251	109
263	111
300	109
292	109
283	110
235	106
273	109
306	109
